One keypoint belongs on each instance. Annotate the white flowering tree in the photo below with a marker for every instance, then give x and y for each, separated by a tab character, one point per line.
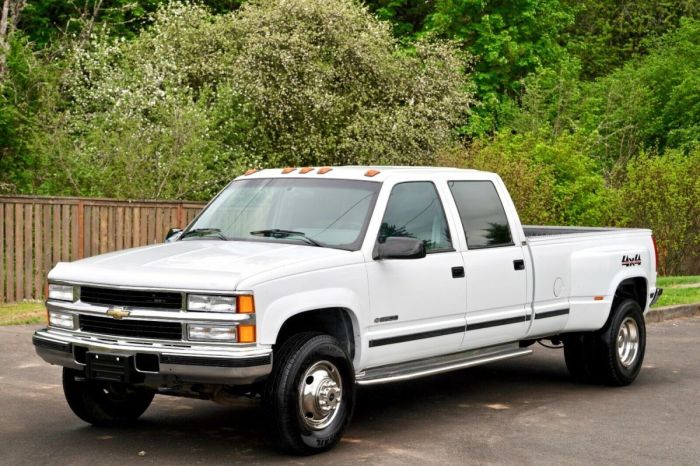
197	98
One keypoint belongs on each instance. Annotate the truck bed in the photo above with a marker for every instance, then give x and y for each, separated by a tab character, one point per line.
535	231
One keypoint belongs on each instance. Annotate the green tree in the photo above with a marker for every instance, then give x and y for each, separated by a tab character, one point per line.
508	40
651	104
406	16
608	33
47	21
26	88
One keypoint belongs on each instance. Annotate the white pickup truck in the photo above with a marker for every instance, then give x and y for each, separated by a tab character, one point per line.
297	285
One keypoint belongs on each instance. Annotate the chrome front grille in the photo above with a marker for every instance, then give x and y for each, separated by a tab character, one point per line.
131	298
131	328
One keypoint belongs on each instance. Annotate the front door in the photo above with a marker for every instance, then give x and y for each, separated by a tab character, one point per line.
417	305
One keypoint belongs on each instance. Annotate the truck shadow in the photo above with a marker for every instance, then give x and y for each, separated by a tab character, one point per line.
184	430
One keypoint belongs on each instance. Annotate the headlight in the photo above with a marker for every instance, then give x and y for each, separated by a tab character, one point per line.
211	332
62	320
61	292
207	303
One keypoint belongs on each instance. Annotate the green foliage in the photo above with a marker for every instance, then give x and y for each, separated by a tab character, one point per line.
509	40
608	33
551	181
25	90
531	185
663	193
406	16
651	104
198	97
46	21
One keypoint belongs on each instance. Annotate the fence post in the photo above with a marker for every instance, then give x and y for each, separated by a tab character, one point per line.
180	212
81	229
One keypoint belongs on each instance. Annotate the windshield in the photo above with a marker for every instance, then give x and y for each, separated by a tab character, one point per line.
329	212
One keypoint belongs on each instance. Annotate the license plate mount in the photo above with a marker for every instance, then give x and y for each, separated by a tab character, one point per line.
110	367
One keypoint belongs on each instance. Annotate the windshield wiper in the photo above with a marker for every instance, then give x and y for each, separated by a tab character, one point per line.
202	232
279	233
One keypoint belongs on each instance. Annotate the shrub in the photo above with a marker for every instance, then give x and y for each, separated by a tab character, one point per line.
551	181
663	193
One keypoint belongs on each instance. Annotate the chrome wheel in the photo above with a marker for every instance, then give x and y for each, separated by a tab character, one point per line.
628	342
320	394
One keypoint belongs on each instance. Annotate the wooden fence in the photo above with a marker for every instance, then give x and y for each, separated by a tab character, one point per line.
38	232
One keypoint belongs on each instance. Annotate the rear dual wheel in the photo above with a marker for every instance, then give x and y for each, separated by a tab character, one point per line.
614	354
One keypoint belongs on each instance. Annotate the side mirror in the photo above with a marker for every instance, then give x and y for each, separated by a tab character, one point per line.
173	234
395	247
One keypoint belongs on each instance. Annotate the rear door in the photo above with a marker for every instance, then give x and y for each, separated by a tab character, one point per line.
417	305
495	267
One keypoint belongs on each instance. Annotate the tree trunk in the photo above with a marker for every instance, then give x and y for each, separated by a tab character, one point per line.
3	35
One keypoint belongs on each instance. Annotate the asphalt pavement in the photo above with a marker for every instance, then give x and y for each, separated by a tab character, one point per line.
523	411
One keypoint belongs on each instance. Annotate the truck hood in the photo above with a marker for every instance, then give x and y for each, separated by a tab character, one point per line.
210	265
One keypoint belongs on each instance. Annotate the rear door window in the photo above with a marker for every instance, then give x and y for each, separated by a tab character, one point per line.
483	218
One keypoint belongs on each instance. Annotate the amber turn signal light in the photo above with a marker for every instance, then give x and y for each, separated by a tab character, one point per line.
246	334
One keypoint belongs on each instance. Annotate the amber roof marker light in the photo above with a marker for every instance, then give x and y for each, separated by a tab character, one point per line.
324	170
306	170
372	173
288	170
251	171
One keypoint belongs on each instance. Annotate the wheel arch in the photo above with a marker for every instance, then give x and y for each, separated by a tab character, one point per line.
635	288
339	322
328	310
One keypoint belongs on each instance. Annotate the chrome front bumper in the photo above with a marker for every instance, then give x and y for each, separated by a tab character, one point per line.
179	362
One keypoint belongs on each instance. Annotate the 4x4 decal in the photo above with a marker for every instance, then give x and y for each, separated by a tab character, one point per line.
628	261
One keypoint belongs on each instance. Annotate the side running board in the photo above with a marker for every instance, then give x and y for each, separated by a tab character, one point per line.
438	364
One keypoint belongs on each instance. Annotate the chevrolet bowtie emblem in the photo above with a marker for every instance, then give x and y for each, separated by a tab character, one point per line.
118	313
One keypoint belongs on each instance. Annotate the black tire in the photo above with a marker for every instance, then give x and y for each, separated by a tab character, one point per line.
104	404
283	391
594	357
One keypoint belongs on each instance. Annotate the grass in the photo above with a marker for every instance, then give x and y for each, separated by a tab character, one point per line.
664	282
26	312
679	290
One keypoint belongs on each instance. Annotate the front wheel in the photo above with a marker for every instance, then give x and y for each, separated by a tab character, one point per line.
310	395
104	404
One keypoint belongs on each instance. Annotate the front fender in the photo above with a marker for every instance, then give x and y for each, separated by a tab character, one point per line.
287	306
